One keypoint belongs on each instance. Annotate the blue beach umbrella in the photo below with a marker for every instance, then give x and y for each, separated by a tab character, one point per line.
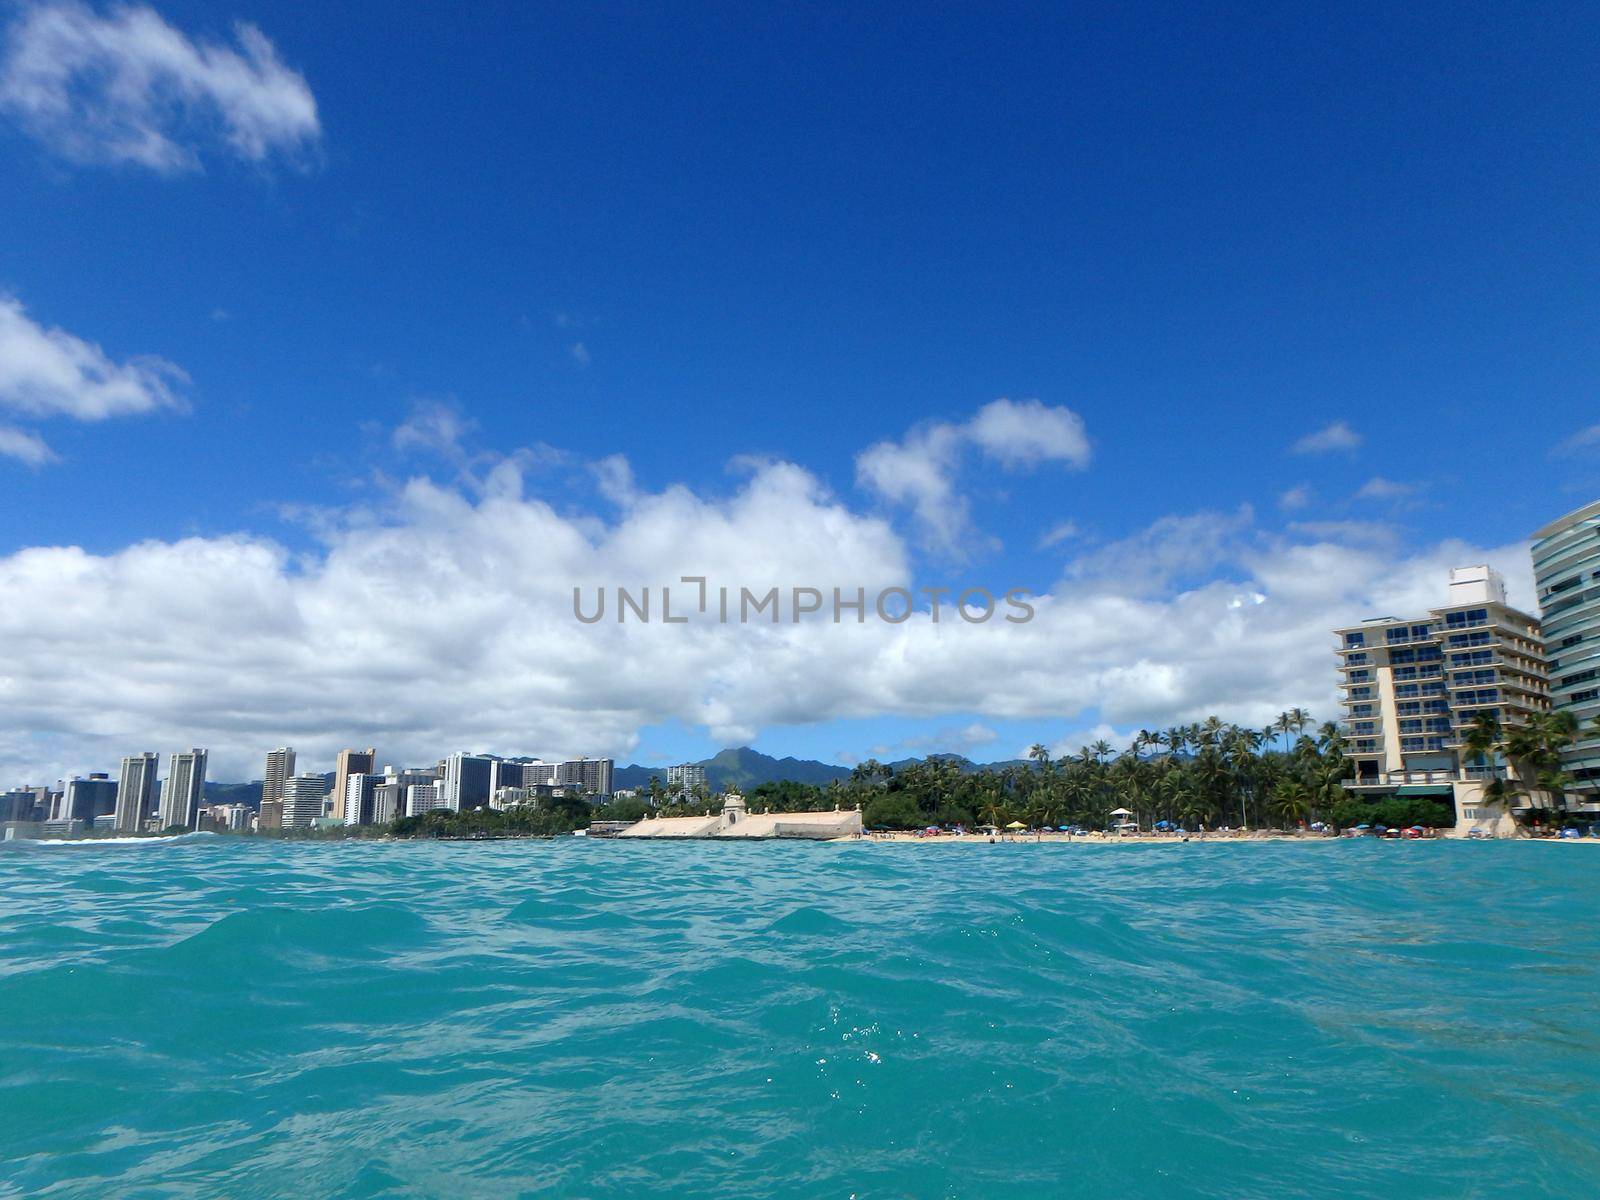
1363	826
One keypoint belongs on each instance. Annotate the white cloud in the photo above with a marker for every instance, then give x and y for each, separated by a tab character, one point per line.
919	470
1058	534
25	447
1379	488
126	87
1584	439
446	623
580	354
50	373
1024	433
434	428
1337	436
1294	498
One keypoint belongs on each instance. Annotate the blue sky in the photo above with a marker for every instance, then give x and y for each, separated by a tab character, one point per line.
689	236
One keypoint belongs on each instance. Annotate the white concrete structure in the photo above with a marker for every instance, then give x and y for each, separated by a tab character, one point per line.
736	821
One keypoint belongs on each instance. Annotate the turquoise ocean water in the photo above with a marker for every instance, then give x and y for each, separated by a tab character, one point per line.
590	1019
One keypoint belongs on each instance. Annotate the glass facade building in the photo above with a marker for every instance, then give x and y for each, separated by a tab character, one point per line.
1566	572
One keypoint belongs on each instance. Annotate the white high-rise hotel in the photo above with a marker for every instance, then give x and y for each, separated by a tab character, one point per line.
1413	685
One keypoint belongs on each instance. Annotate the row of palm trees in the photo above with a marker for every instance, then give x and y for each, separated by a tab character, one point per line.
1206	774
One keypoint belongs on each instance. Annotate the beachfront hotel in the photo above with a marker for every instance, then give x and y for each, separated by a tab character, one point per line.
1413	685
1566	571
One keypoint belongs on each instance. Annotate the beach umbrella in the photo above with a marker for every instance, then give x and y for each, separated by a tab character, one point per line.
1016	825
1363	826
1063	828
1121	812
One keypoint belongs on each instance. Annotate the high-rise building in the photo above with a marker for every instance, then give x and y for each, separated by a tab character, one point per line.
360	793
1566	572
17	804
425	797
588	776
467	781
280	766
519	772
350	762
136	791
183	790
686	777
304	799
88	800
1413	686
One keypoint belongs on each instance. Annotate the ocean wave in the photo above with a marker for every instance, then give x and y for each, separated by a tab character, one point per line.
257	1018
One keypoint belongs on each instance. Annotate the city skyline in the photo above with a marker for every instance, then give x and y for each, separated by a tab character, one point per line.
1013	338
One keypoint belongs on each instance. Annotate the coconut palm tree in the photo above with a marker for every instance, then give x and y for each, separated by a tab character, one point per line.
1482	737
1300	719
1504	792
1283	725
1291	800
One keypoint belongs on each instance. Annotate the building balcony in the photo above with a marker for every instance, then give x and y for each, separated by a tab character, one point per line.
1392	779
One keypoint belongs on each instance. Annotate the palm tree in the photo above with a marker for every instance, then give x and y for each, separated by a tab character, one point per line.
1299	719
1503	791
1040	755
1283	725
1292	800
1482	737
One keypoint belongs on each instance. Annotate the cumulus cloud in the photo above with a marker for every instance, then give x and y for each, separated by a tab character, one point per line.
1337	436
919	470
1294	498
446	623
47	372
1025	433
126	87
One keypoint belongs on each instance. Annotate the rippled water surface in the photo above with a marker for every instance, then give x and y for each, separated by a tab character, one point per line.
598	1019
